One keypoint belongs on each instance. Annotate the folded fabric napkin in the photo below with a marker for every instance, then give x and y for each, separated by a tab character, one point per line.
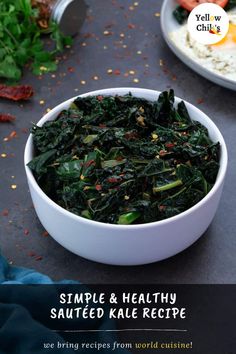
23	324
18	275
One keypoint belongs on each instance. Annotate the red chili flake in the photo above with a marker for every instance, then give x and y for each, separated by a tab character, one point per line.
13	134
24	130
98	187
71	69
116	188
6	118
88	35
131	135
169	145
116	72
26	232
45	234
5	212
31	254
162	152
119	158
38	258
131	26
101	125
112	180
162	207
16	93
90	163
100	98
200	100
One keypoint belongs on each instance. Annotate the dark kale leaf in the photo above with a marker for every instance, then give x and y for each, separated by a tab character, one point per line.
123	159
180	14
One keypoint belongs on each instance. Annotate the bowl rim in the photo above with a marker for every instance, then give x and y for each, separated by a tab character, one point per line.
122	91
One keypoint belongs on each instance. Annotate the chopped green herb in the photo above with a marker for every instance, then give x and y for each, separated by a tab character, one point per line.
125	160
21	43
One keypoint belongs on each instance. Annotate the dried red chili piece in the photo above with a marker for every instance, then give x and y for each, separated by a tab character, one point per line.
90	163
98	187
4	118
16	93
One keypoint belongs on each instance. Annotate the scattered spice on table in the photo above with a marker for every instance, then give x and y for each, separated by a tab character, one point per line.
12	135
38	258
26	232
5	212
116	72
200	100
31	254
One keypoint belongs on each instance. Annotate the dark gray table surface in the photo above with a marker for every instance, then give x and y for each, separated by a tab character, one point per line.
134	43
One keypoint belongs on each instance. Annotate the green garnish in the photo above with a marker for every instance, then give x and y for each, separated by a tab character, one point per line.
125	160
180	14
21	43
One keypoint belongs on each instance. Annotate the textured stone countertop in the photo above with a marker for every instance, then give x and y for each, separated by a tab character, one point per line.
125	37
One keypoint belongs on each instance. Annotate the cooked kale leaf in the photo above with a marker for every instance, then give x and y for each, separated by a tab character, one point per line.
124	159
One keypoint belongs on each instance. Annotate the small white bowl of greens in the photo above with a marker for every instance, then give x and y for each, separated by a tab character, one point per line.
125	176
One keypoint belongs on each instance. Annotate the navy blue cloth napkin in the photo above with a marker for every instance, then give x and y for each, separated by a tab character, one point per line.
22	326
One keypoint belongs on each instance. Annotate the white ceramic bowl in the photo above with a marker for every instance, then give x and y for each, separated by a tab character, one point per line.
127	244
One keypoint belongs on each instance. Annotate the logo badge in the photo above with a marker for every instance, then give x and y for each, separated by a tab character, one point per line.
208	23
